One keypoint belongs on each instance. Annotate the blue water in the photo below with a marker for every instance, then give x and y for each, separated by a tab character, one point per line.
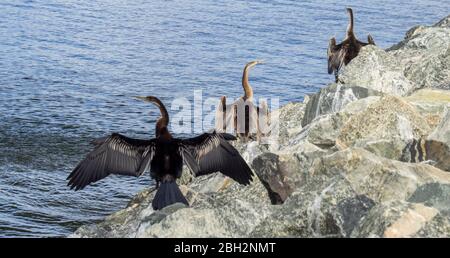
68	69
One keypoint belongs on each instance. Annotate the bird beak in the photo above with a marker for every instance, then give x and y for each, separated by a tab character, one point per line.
141	98
260	62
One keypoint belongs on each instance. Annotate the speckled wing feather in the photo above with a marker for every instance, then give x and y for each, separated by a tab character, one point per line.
336	56
116	154
210	152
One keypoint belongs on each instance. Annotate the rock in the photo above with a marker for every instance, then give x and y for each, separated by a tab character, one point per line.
333	98
433	195
442	131
433	71
324	131
404	219
272	175
235	211
438	143
385	127
435	148
195	223
393	148
356	193
395	219
445	22
360	105
431	104
281	173
230	203
289	118
322	213
368	174
425	55
439	226
378	70
353	210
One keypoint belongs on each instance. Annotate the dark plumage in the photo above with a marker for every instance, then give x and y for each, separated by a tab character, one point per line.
164	157
343	53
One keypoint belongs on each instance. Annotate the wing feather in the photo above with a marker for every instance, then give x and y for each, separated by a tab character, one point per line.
336	56
116	154
210	152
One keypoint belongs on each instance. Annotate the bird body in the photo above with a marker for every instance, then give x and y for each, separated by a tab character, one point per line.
341	54
167	164
163	156
242	115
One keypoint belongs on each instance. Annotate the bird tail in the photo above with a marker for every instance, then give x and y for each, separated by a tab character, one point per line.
168	193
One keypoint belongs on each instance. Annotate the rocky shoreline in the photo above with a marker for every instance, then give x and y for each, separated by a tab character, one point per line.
366	157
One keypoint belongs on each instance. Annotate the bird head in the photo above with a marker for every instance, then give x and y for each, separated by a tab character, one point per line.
163	120
151	99
253	63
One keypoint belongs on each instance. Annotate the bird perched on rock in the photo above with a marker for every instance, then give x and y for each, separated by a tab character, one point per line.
163	156
343	53
243	116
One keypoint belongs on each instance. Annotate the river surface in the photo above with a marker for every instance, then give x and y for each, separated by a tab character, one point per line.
69	69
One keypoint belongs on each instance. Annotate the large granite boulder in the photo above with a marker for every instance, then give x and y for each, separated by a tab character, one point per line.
378	70
425	55
333	98
438	143
219	207
355	193
282	172
385	127
431	104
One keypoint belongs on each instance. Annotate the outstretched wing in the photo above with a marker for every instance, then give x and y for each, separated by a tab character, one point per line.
116	154
336	56
370	41
210	152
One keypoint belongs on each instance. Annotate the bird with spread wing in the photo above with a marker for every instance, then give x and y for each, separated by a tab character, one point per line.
163	156
341	54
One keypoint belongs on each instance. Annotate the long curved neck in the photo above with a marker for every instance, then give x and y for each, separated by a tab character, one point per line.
350	24
248	91
161	127
163	121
